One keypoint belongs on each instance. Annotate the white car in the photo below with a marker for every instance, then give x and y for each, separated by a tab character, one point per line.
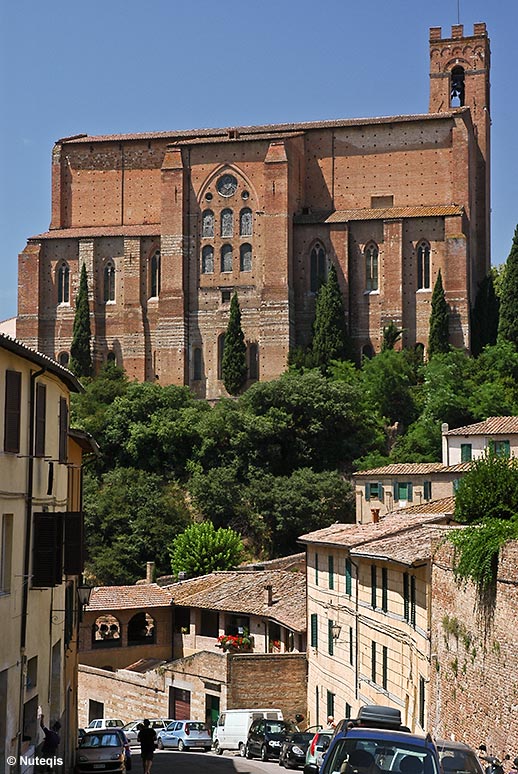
131	729
102	723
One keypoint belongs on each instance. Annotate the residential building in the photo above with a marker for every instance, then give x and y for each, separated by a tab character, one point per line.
368	615
462	444
170	224
41	550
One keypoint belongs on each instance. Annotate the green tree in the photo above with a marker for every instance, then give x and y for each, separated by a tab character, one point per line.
80	355
508	325
202	549
438	337
484	318
388	381
330	337
391	335
487	501
233	366
131	516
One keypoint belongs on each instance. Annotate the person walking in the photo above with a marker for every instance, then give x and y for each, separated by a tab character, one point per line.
147	738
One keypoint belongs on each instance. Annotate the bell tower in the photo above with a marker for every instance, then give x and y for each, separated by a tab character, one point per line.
459	78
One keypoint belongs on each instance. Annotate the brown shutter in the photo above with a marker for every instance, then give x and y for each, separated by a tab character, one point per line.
13	402
63	429
41	410
47	552
74	555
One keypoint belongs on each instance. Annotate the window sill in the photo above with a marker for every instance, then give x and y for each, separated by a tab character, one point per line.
424	290
371	292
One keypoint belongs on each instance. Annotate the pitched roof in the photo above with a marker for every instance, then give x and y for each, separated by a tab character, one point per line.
381	213
44	361
394	523
413	469
490	426
445	506
86	232
128	597
411	547
244	592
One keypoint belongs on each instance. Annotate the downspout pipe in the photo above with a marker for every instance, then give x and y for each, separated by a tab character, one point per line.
27	554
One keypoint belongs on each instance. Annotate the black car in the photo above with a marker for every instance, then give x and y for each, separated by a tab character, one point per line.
294	747
265	738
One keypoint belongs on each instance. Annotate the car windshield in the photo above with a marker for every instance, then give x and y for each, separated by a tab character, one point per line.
370	756
195	727
101	740
302	738
276	728
459	761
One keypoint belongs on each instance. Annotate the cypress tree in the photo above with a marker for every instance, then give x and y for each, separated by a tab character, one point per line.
508	325
330	337
233	366
484	319
80	355
438	336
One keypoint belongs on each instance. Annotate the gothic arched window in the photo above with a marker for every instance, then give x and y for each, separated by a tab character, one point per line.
227	223
207	260
245	257
318	267
154	275
226	258
245	222
63	284
109	282
371	267
423	266
207	224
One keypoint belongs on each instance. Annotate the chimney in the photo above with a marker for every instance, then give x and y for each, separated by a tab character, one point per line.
375	512
150	571
268	595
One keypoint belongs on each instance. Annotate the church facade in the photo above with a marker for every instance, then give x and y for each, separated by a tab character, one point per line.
171	224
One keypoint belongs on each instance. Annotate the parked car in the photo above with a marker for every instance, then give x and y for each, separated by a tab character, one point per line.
318	746
294	747
265	738
103	750
100	723
184	735
131	729
376	743
458	757
231	730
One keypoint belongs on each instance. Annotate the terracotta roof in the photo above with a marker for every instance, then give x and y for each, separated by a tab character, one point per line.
394	523
490	426
124	597
152	229
18	348
233	132
381	213
411	547
413	469
445	506
244	592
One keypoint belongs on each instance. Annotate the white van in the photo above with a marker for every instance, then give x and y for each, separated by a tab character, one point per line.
232	728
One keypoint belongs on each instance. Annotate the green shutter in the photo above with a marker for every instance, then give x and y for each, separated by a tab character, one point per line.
314	630
330	564
373	661
384	589
373	585
410	491
465	452
406	597
348	577
316	569
330	640
395	490
367	491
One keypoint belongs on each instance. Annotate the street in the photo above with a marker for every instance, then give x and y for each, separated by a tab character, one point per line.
172	762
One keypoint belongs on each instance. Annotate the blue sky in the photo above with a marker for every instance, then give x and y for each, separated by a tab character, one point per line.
124	66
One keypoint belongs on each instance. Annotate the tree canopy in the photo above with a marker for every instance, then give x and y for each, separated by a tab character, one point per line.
233	366
439	336
201	549
80	354
508	321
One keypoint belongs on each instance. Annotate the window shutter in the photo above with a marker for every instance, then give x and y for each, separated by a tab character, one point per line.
427	490
13	401
373	585
367	491
348	577
330	641
331	572
410	491
47	553
73	556
384	589
406	600
381	493
314	630
412	600
395	491
41	408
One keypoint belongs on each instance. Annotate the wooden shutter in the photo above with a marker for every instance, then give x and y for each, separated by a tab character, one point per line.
314	630
367	491
331	571
330	641
13	402
47	552
73	563
41	409
348	577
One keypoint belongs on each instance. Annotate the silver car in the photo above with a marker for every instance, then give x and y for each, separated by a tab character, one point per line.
185	735
103	750
131	729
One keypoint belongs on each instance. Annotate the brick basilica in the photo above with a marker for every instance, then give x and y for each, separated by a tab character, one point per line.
169	224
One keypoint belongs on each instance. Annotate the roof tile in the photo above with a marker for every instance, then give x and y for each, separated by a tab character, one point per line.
490	426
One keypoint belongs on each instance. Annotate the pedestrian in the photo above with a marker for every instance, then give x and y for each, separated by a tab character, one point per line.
51	742
331	722
147	738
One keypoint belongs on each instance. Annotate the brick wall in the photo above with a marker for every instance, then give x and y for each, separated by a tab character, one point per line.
474	672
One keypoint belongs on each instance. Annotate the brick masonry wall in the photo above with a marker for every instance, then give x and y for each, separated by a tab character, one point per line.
474	672
269	681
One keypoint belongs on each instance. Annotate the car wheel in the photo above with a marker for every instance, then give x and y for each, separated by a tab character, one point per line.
217	749
264	753
160	744
248	754
242	749
181	745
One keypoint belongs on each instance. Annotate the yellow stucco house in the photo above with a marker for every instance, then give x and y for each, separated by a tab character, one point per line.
40	552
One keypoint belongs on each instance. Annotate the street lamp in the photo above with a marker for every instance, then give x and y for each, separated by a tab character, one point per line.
84	592
335	630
